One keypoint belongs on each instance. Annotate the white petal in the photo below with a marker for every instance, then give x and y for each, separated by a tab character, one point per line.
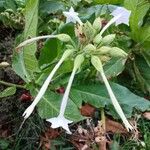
72	16
125	15
60	121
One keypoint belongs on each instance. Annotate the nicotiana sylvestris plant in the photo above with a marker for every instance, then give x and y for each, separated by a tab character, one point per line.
91	44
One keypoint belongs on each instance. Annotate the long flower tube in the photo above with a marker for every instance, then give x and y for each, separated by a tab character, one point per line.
121	15
60	120
44	87
63	37
98	65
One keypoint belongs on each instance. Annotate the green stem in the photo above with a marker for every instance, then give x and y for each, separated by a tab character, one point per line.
103	119
11	84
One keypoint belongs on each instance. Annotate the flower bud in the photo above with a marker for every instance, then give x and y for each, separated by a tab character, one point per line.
97	39
89	31
96	62
117	52
97	24
63	37
88	48
108	39
104	50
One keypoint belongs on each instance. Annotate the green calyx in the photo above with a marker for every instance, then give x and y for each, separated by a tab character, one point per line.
117	52
63	37
96	62
108	39
97	39
78	61
104	50
97	24
67	53
89	48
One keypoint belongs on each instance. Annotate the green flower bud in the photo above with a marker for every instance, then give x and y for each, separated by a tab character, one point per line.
78	61
97	39
63	37
97	24
117	52
68	46
104	50
108	39
88	48
96	62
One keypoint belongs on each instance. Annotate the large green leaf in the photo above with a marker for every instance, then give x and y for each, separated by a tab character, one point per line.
49	52
108	1
31	21
96	95
8	92
25	63
114	67
49	107
138	9
142	72
49	7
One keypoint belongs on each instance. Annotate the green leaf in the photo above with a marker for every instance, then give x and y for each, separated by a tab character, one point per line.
108	1
146	55
31	21
96	95
19	67
49	52
138	9
142	72
10	4
49	7
142	36
8	92
49	106
25	62
114	67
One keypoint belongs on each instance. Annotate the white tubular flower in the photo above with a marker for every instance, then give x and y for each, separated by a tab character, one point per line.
72	16
29	41
44	87
115	103
121	15
61	121
98	65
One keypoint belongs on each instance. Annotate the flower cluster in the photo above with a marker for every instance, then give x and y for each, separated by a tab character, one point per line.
90	44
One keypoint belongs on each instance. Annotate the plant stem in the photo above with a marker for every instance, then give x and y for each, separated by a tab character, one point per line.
12	84
103	119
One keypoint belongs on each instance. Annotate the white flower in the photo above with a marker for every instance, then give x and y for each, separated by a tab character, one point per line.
44	87
96	62
121	15
115	103
60	121
124	15
72	16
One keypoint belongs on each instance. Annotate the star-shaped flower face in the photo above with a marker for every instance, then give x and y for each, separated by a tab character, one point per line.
123	15
60	121
72	16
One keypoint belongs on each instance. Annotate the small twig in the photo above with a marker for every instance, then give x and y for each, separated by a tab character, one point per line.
12	84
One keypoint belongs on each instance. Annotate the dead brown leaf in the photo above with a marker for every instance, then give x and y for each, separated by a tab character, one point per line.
87	110
115	127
